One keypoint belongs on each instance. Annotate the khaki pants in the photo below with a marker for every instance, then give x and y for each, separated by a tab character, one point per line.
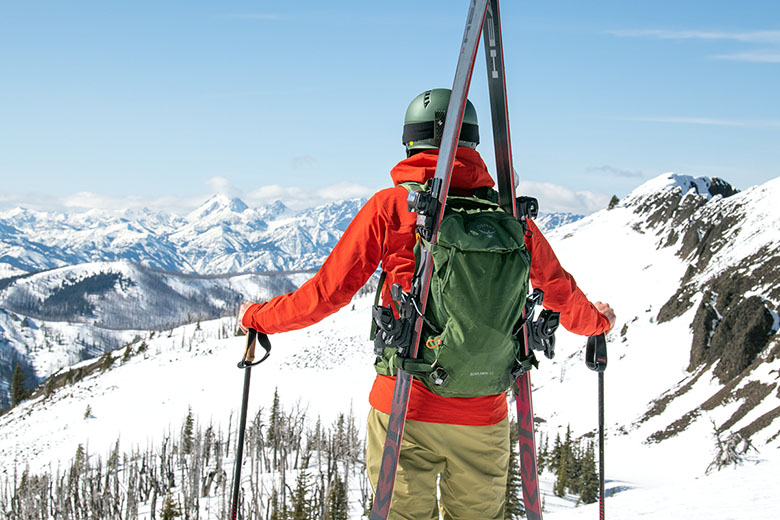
469	462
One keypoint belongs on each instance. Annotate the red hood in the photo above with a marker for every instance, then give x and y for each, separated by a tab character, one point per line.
468	172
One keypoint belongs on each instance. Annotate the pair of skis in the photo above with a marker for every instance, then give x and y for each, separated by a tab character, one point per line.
483	16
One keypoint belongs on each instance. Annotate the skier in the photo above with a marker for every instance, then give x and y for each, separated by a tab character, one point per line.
460	445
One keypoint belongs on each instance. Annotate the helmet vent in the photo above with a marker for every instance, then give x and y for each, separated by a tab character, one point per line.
427	99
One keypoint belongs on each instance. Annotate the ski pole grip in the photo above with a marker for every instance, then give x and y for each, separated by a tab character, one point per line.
596	353
254	337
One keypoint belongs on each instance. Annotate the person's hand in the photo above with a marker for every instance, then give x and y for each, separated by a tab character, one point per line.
241	311
607	311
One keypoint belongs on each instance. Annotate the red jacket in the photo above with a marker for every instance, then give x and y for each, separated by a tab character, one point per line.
383	232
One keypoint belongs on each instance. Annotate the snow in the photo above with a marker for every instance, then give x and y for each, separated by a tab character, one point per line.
732	494
668	182
327	369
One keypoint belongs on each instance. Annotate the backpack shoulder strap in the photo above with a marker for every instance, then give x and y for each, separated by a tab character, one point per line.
415	186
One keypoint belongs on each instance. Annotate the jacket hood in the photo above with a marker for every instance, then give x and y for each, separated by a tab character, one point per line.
468	170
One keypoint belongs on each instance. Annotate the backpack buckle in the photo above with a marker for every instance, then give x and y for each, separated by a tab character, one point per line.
439	376
524	365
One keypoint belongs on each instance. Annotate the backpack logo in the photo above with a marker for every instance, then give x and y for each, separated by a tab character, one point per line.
482	228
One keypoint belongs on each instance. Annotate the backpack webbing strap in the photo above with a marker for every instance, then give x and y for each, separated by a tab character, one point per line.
376	302
422	370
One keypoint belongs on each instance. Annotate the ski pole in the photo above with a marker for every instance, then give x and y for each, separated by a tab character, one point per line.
596	359
246	363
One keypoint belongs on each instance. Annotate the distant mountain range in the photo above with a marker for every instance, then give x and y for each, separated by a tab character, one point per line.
221	236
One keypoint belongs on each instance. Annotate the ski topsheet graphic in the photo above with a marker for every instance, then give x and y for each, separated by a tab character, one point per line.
481	14
499	109
439	187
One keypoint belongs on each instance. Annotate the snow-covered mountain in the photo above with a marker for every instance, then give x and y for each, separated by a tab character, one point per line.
221	236
58	317
689	264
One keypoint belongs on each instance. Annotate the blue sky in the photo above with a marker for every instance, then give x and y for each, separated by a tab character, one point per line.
113	104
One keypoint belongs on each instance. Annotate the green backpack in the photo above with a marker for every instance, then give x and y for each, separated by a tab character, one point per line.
478	289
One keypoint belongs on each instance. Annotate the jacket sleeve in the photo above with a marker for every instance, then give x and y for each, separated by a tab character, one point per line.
561	293
348	267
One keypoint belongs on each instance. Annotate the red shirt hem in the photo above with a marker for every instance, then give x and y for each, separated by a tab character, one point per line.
425	406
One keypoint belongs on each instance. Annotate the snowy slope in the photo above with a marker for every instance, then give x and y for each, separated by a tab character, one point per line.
55	318
656	381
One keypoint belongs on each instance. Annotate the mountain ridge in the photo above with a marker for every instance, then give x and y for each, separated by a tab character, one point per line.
222	235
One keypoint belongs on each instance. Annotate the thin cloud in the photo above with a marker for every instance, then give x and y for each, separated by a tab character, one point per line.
552	197
222	186
298	198
617	172
87	200
557	198
771	37
292	196
345	190
705	121
764	55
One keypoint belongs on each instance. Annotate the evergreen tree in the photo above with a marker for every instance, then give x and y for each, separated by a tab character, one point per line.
277	513
554	461
170	509
106	361
544	455
301	503
186	434
561	479
513	502
565	468
338	504
589	482
17	386
575	470
276	418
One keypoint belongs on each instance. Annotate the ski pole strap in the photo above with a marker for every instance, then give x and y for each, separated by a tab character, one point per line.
596	353
252	338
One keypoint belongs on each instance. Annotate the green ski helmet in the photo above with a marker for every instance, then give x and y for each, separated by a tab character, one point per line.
424	122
